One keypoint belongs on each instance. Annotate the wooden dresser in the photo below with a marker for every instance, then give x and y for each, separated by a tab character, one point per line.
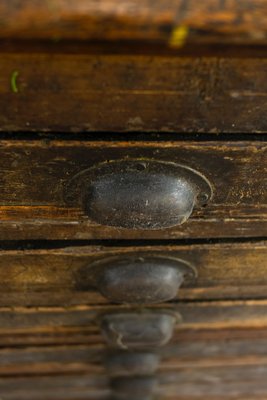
133	201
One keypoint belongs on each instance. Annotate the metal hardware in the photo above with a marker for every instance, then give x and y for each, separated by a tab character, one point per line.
125	363
138	278
133	386
132	397
138	330
138	194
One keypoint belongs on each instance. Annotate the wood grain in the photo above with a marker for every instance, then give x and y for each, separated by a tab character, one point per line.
35	175
217	315
219	351
213	383
87	93
182	352
134	20
60	277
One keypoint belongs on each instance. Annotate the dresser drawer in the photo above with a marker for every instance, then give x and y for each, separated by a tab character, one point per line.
64	276
215	339
73	93
212	21
192	383
50	321
43	182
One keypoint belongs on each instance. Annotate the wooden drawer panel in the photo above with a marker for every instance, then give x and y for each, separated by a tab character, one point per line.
203	349
222	342
147	20
248	381
57	277
84	319
88	93
54	349
35	175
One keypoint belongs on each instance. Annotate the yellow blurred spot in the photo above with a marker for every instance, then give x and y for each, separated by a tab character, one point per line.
178	36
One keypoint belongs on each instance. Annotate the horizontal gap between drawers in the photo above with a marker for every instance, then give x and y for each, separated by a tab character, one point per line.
53	244
133	136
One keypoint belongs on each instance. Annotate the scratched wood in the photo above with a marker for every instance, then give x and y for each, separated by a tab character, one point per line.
36	173
216	315
65	68
218	351
221	342
60	277
229	20
183	352
213	383
88	93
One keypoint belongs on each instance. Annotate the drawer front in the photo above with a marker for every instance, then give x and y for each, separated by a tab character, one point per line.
219	341
41	199
134	20
193	383
87	93
60	277
50	323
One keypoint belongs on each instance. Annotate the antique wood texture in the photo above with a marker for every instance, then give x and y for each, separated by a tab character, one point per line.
85	93
218	351
21	326
60	277
185	351
212	383
230	20
35	175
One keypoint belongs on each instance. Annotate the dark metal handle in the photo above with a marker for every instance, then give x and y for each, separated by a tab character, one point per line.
128	363
139	194
138	330
141	278
135	387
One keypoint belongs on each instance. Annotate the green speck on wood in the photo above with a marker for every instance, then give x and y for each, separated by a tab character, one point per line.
13	82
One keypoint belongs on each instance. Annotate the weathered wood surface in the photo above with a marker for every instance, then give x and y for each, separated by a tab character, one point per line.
230	20
213	383
182	352
218	351
217	315
86	93
60	277
35	175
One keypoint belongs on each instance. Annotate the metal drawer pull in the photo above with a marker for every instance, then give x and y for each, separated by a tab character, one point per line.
138	194
141	278
133	387
125	363
138	330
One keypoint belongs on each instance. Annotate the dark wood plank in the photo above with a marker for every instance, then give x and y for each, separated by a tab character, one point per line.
236	170
183	352
146	20
86	93
220	364
61	388
57	277
213	383
215	315
62	228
